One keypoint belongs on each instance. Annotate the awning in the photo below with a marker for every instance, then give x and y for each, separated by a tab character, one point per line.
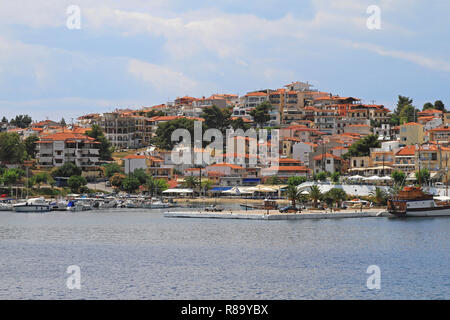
220	189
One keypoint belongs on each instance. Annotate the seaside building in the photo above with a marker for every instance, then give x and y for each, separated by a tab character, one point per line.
56	149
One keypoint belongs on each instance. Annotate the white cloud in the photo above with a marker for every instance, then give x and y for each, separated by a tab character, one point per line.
427	62
161	78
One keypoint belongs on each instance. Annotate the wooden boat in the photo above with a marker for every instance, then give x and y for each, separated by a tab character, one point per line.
414	202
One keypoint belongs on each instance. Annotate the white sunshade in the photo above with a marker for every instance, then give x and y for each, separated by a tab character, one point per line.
178	191
373	178
386	178
357	177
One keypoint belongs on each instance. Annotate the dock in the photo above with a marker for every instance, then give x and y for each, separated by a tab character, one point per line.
275	215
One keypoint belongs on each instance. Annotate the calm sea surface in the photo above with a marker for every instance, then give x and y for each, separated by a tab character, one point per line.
139	254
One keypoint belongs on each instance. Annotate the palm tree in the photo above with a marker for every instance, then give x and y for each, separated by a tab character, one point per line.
315	195
379	196
190	182
293	194
337	195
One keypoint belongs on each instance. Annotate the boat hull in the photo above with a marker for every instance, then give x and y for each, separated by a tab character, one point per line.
432	212
32	208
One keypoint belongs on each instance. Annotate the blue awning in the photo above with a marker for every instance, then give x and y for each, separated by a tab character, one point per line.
249	180
220	189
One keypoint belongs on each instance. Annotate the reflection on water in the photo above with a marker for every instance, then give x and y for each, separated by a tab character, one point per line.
139	254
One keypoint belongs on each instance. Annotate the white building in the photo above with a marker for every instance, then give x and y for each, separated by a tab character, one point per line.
56	149
133	162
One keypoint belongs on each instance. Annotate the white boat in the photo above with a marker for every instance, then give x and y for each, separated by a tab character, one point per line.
156	204
59	205
32	205
80	204
413	202
108	203
6	205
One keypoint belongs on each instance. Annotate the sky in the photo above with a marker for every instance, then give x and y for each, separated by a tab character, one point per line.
138	53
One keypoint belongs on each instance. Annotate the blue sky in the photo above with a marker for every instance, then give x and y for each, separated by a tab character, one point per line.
141	53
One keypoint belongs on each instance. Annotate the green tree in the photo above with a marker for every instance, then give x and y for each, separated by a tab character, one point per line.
156	186
423	176
111	168
206	185
141	175
130	184
41	177
315	195
361	148
239	123
296	181
216	118
335	177
10	177
399	177
408	114
190	182
261	113
62	122
427	106
104	146
293	194
12	150
439	105
335	196
322	176
116	180
4	120
379	196
67	170
21	121
402	102
30	146
274	180
76	183
153	113
163	136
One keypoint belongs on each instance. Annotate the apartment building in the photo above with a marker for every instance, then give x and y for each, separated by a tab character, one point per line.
56	149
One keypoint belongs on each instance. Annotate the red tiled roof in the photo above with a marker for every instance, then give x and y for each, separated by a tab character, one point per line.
135	156
407	151
326	156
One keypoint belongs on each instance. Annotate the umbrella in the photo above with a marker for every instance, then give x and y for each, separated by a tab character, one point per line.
373	178
357	177
386	178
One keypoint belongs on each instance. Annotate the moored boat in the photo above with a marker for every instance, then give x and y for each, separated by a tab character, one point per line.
32	205
414	202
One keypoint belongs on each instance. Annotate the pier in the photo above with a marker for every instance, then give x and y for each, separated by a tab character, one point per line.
276	215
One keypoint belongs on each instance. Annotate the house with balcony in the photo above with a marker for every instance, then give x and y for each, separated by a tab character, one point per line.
56	149
405	159
328	162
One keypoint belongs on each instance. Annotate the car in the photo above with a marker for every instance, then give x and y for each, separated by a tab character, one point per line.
214	208
289	209
108	184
